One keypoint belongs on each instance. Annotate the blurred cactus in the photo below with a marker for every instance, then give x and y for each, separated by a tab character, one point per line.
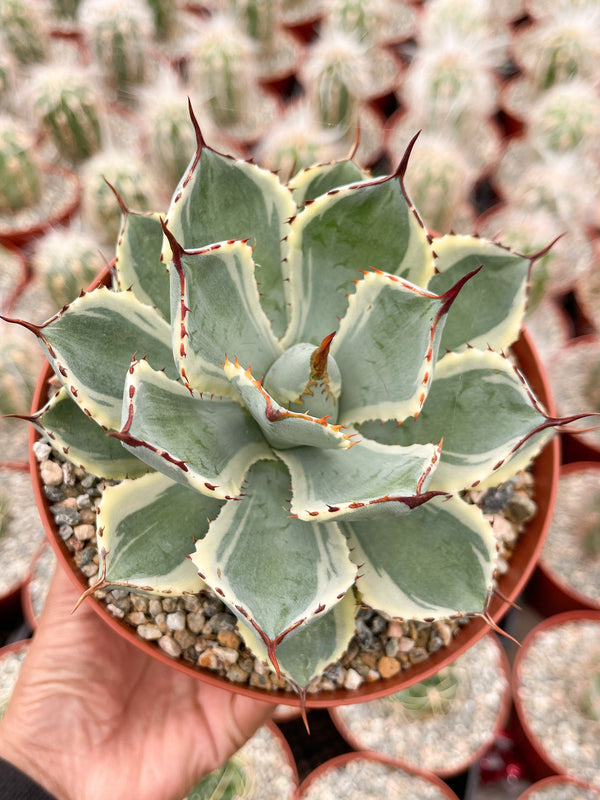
65	9
567	117
67	107
67	260
22	31
373	21
222	70
163	106
19	367
164	14
434	695
130	178
20	178
439	183
335	76
259	19
4	513
118	34
590	699
562	45
229	782
297	141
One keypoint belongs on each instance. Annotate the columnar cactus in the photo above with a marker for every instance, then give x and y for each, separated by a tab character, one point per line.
67	261
20	178
118	34
67	107
302	448
222	70
22	31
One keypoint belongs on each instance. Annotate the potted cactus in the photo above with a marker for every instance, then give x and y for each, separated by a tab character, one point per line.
198	392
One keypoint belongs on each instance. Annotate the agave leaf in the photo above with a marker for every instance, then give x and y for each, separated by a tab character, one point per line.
319	179
489	310
310	649
145	529
206	444
370	479
90	345
216	312
75	435
386	347
222	199
138	262
480	407
283	428
274	570
435	562
369	225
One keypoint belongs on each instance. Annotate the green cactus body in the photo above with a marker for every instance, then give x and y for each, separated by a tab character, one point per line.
68	261
118	34
22	32
590	699
164	13
260	19
20	177
566	118
128	177
222	71
230	782
68	110
298	494
65	9
434	695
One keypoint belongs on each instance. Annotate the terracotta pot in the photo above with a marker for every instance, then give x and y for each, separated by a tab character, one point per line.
548	592
510	584
62	213
456	764
558	782
368	755
540	761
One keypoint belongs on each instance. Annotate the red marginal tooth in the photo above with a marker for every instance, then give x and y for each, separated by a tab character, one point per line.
131	392
182	350
313	513
425	377
355	505
236	363
422	398
210	486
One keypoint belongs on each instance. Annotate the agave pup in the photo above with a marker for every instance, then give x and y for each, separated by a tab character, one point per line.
280	377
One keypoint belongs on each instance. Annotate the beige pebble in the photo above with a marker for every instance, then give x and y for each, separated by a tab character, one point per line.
136	618
395	629
170	646
229	639
149	631
184	639
68	502
406	644
84	532
352	680
88	516
196	621
388	666
176	621
51	473
208	659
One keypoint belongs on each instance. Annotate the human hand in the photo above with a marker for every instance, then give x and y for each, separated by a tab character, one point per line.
93	717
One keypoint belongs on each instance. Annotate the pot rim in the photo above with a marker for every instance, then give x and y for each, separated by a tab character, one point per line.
372	755
549	764
559	780
464	764
510	584
60	215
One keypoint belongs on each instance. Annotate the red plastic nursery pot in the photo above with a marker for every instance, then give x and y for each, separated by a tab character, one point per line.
548	591
510	584
541	763
456	764
427	779
557	783
61	213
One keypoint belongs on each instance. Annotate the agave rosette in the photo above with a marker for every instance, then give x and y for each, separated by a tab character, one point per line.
245	378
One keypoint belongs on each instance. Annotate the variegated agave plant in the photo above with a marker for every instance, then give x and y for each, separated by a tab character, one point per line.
280	377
